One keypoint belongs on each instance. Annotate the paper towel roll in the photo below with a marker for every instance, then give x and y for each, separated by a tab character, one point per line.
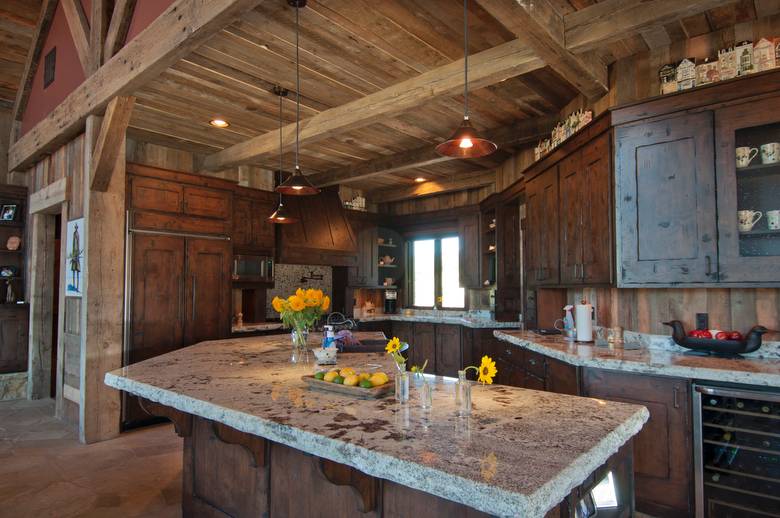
583	319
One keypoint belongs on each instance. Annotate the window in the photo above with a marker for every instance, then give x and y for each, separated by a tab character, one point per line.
436	273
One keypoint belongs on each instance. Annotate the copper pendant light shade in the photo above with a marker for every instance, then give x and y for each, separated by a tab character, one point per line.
465	142
281	215
297	185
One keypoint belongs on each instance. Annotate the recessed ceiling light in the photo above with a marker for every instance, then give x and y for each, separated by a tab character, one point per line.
219	123
419	179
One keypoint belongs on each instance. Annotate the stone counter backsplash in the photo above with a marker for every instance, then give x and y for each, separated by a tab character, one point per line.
289	277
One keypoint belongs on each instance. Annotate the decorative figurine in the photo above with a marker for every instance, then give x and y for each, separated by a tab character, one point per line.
727	63
686	74
764	55
667	75
744	54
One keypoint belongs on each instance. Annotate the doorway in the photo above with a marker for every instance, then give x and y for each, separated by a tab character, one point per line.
55	302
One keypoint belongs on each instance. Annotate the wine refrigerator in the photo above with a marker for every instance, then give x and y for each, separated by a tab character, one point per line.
736	452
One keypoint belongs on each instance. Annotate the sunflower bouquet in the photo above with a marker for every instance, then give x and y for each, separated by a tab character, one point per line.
393	348
486	371
300	312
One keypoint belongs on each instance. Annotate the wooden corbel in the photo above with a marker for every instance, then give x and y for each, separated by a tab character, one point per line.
365	486
256	446
182	422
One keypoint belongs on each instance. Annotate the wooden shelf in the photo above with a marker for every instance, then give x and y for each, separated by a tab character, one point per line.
759	233
11	251
387	245
758	170
388	265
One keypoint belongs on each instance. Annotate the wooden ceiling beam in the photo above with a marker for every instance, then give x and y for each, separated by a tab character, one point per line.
117	27
184	26
521	133
540	26
79	30
110	141
485	68
432	187
612	20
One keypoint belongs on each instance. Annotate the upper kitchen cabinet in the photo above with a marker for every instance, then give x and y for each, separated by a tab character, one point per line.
541	232
321	234
252	232
469	232
665	192
748	175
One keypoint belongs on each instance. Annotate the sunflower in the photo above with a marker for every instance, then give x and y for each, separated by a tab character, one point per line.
296	303
325	303
278	304
300	293
393	345
487	370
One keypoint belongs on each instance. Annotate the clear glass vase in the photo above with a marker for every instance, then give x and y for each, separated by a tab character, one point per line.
401	384
426	395
300	349
463	395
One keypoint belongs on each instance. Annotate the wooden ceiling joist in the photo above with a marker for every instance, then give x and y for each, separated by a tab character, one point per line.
525	131
540	26
110	141
184	26
79	30
485	68
432	187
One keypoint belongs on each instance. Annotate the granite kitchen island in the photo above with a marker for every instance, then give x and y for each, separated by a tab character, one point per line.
258	442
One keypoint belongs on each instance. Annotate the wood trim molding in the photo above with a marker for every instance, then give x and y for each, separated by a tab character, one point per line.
256	446
182	422
184	26
110	141
79	30
366	487
49	199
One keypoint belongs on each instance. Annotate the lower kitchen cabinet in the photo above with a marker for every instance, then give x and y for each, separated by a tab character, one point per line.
448	350
663	454
14	329
423	347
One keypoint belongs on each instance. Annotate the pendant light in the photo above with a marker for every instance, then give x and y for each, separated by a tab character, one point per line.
465	142
297	184
280	216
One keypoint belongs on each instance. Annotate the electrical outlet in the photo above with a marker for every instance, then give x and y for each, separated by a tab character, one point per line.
702	321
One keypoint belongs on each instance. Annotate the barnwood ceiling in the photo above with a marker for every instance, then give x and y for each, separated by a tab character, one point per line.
17	25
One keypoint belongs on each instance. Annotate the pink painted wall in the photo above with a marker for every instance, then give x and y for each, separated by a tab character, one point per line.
69	73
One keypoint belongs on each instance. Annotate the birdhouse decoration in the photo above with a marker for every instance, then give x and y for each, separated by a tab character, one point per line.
667	75
744	54
708	72
727	61
686	74
764	55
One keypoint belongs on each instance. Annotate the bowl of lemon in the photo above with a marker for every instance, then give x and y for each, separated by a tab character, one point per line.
349	381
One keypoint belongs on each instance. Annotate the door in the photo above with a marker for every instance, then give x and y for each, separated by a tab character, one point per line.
242	222
596	205
424	346
263	231
14	330
448	350
365	273
571	215
663	456
207	290
543	221
751	252
469	231
665	195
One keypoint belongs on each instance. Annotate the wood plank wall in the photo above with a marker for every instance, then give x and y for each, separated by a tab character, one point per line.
5	139
439	202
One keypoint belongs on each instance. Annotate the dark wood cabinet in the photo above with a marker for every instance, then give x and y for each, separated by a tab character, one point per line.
252	232
365	272
424	345
542	229
449	357
509	279
469	231
207	290
663	455
666	201
14	332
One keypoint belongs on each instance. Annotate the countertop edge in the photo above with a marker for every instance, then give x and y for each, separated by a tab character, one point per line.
639	367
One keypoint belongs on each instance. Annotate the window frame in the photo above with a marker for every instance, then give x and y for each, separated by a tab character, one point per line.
437	270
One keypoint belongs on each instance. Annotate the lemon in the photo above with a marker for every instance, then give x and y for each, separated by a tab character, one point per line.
363	376
330	376
320	375
378	379
351	380
347	371
338	379
366	383
383	375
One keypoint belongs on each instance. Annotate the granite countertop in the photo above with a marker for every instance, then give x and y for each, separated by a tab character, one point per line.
463	320
519	454
260	326
651	360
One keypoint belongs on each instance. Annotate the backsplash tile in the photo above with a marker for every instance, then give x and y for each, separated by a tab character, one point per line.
289	277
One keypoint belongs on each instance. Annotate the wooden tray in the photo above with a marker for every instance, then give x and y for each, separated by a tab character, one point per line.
358	392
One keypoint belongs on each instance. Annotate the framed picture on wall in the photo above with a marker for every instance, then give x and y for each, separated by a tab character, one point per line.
8	212
74	258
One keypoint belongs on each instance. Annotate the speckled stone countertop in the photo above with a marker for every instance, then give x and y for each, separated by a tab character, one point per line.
519	454
468	321
260	326
650	360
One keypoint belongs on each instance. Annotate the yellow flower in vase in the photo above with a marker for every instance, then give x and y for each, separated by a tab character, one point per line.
325	303
393	345
487	370
278	304
296	303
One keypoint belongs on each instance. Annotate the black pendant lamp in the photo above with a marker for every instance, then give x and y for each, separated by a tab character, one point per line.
297	184
466	142
280	216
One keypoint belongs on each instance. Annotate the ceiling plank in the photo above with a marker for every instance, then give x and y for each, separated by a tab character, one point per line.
79	30
431	188
612	20
523	132
185	25
110	141
33	57
485	68
117	27
540	26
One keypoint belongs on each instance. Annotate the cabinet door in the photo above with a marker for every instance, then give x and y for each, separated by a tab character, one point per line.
571	214
366	272
424	345
665	196
449	356
751	253
561	378
596	205
14	330
469	232
242	222
207	305
207	203
263	231
663	457
152	194
542	233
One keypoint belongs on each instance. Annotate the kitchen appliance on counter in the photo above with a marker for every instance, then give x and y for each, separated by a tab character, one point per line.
253	268
391	302
736	451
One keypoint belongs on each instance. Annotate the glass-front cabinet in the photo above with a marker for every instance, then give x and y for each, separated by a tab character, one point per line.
748	184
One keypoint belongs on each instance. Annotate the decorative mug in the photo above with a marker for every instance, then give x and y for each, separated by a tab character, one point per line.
773	219
770	153
745	155
748	219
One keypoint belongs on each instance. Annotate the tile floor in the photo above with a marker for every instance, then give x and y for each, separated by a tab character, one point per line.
46	472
